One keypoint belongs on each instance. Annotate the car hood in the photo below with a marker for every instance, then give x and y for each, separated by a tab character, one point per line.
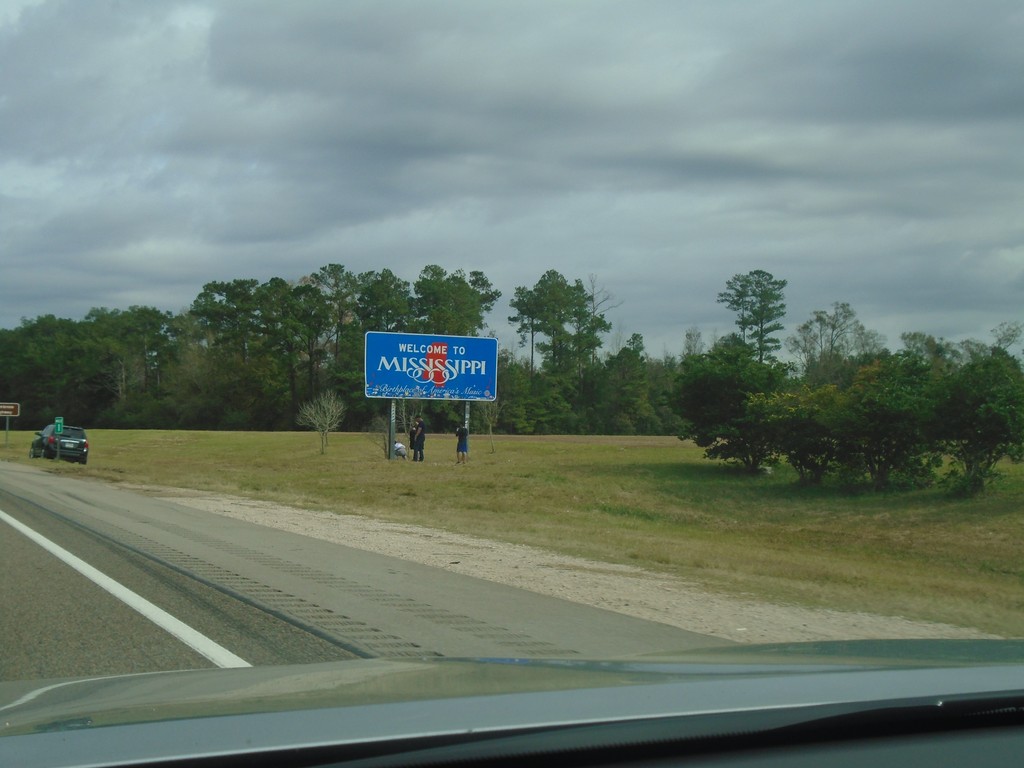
379	699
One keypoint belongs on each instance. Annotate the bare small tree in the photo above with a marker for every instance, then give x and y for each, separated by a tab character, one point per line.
378	432
489	411
322	414
693	344
404	420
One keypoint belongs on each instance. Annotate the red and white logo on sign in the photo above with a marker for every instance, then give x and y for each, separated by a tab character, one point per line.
437	362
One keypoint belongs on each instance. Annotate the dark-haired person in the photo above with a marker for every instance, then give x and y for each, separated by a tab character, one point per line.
419	437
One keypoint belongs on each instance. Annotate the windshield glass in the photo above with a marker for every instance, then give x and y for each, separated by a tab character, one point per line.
402	334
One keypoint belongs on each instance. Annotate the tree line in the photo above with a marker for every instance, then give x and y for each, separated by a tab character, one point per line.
848	407
248	355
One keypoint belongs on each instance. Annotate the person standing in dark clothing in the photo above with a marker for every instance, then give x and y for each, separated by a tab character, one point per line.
418	438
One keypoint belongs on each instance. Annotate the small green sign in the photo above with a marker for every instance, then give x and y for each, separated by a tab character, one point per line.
58	425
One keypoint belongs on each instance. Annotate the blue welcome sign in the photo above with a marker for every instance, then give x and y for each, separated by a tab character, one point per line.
423	366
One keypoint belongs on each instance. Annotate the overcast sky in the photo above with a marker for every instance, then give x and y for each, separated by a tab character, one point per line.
866	152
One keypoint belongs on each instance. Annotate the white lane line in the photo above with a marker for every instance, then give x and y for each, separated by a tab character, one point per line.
200	643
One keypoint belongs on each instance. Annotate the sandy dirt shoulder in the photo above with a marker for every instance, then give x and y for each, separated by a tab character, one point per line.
620	588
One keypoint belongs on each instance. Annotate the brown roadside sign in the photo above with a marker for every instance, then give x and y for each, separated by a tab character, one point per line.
10	409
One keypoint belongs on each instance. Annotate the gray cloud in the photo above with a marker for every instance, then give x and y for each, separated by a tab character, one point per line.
866	152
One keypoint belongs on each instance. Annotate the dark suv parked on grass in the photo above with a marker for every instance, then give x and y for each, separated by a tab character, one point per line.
71	444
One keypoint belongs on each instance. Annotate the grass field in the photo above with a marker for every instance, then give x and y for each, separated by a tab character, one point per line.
650	502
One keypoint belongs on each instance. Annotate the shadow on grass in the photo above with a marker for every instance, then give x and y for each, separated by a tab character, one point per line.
719	486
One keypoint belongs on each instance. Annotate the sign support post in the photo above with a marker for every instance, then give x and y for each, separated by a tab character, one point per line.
7	410
391	430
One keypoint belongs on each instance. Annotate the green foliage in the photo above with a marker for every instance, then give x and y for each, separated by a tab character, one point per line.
384	302
757	300
227	312
831	346
562	321
892	424
713	395
627	392
882	425
979	418
800	424
450	303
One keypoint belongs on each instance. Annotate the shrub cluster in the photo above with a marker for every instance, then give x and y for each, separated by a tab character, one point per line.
898	420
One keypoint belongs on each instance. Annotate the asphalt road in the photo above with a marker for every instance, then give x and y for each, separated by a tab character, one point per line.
260	595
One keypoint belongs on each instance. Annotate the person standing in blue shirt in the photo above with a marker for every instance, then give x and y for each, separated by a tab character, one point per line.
462	446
